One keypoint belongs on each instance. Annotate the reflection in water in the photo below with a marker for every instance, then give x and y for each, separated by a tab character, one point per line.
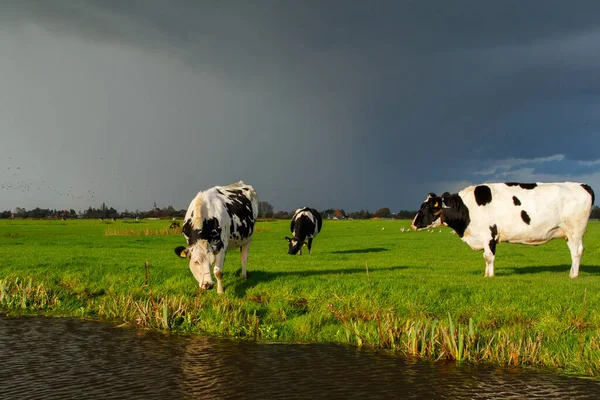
69	359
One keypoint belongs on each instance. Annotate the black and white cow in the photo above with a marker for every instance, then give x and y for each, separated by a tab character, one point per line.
526	213
306	224
218	219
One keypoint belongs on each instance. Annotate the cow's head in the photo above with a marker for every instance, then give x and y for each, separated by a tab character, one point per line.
429	214
295	245
200	256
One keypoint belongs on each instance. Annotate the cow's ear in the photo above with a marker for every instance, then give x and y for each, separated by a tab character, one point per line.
181	251
288	239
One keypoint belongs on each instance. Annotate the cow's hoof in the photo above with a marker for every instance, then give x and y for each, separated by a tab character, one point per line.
207	285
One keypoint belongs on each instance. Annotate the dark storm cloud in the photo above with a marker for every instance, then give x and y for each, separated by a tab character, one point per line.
363	105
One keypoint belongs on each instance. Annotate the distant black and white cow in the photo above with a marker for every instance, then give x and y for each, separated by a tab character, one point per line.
306	224
525	213
218	219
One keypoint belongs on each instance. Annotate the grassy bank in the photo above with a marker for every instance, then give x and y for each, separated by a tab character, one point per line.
367	284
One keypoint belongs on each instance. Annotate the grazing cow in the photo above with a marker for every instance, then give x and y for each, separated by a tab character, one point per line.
174	225
526	213
218	219
306	224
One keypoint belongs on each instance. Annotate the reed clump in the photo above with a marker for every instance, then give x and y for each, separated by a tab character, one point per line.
23	295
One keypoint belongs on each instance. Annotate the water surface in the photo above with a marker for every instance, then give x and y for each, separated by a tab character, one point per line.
61	358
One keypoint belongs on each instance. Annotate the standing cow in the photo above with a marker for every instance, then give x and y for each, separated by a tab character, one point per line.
218	219
526	213
306	224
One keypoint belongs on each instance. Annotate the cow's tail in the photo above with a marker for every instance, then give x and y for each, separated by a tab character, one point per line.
589	189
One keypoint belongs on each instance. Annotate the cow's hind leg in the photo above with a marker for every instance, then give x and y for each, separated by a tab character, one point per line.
244	256
576	247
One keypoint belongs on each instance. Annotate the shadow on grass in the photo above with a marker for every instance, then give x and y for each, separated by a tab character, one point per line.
562	269
361	251
259	276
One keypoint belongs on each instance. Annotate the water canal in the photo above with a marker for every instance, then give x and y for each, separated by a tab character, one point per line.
63	358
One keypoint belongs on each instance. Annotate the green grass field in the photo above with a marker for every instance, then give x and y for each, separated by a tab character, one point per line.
424	294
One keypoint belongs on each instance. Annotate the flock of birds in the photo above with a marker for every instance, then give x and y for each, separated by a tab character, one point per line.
31	187
18	179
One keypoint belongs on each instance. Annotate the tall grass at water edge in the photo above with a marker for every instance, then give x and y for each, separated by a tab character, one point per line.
366	284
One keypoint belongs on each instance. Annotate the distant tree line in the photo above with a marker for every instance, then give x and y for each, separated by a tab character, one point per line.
265	210
102	212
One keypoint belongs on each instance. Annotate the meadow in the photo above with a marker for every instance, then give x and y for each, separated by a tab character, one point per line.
419	294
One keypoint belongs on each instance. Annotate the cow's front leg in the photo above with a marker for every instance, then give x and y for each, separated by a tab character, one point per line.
309	245
489	254
244	258
218	270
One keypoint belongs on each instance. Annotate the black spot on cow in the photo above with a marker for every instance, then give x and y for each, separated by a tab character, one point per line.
187	228
240	206
516	201
527	186
590	191
494	239
525	217
210	231
483	195
456	215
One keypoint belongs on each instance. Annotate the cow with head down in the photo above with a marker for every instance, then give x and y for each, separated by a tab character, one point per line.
218	219
305	226
526	213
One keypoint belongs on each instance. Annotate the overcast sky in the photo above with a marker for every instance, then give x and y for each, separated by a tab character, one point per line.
328	104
